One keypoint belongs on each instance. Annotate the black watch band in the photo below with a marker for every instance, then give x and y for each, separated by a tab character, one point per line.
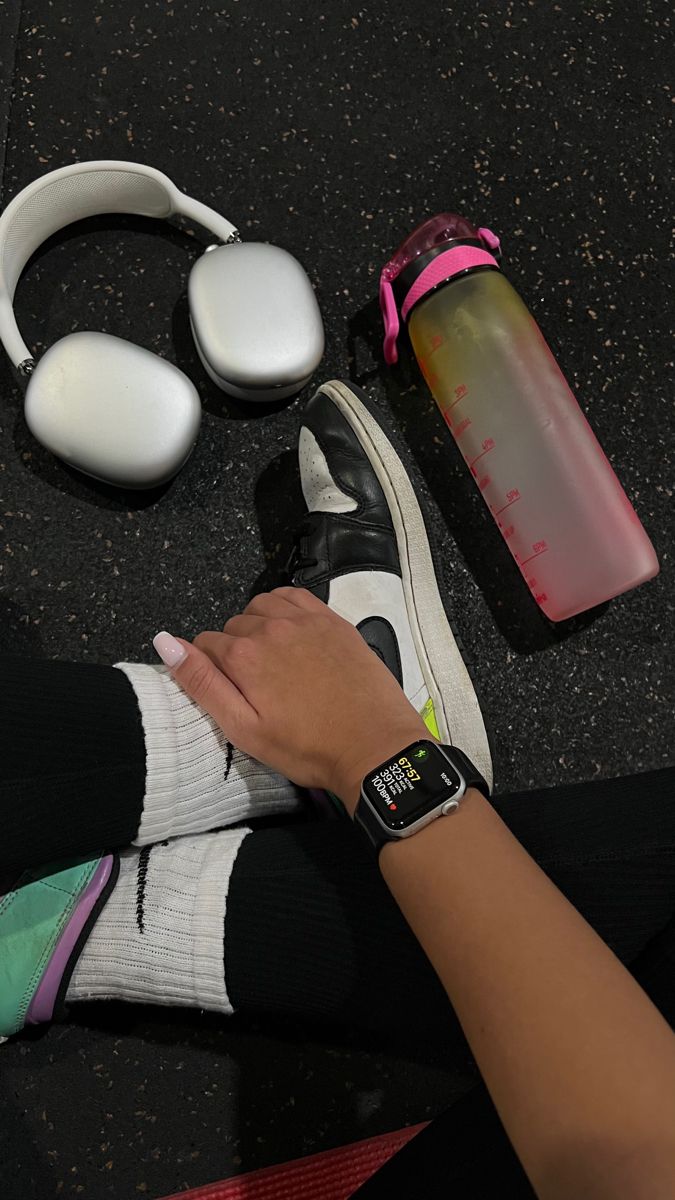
378	836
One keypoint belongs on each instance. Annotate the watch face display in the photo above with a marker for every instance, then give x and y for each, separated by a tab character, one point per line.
411	784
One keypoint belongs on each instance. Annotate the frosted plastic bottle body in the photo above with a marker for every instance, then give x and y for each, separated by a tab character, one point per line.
565	517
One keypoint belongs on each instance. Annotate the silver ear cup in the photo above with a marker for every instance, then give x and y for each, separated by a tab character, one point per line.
255	320
113	410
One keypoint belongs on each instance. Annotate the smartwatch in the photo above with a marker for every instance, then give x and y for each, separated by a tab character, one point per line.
412	788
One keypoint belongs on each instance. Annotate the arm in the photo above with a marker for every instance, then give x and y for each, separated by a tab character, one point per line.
579	1063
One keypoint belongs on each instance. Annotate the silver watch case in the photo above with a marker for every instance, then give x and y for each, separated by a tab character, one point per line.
442	810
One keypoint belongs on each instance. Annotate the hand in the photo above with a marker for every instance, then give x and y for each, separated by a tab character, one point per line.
295	686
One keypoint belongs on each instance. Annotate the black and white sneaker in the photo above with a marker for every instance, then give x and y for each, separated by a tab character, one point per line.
364	550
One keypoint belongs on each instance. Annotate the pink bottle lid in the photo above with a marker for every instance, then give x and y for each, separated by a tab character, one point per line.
438	249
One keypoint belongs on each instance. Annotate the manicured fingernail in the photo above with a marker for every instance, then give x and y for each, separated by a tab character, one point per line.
171	651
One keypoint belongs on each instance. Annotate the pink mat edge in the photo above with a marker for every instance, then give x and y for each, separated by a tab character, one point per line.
389	1143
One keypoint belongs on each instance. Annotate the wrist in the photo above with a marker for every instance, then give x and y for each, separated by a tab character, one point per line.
372	750
451	832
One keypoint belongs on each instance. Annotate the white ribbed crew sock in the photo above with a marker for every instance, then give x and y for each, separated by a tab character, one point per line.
195	779
160	939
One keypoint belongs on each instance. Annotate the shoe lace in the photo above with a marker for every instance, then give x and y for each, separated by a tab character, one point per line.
303	553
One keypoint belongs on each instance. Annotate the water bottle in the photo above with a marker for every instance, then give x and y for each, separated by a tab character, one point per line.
561	509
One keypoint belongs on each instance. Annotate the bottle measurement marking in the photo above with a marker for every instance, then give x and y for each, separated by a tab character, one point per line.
461	393
511	497
431	378
539	549
488	445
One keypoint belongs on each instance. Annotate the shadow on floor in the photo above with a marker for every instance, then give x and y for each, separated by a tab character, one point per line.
280	508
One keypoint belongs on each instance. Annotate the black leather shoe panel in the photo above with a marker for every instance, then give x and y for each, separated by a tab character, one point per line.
346	458
364	538
343	542
379	635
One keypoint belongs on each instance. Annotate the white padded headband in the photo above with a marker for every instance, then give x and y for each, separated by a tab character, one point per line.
70	194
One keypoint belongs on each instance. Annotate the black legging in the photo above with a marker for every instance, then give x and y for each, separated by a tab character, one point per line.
311	929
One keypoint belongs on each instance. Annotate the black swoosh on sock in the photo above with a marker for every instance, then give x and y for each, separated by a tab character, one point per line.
229	754
141	884
379	635
141	881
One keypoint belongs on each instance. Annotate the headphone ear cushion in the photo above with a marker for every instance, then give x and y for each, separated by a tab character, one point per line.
113	410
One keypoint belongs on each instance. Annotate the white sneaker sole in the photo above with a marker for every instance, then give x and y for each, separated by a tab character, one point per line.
458	716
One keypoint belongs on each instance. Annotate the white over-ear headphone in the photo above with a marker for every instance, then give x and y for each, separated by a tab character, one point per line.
117	411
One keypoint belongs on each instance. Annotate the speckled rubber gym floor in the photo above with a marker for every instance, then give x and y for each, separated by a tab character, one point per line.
330	130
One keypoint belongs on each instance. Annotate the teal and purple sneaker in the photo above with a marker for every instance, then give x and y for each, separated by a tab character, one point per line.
44	923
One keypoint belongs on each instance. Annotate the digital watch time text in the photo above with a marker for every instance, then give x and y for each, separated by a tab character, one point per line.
413	788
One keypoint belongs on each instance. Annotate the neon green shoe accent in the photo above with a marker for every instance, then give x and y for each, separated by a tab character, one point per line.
32	919
428	715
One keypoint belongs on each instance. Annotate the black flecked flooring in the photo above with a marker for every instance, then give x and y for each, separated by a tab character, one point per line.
330	132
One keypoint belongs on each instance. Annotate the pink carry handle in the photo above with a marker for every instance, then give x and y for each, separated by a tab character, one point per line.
390	318
489	239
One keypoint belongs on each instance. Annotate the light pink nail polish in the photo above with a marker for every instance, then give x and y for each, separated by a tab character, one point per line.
171	651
